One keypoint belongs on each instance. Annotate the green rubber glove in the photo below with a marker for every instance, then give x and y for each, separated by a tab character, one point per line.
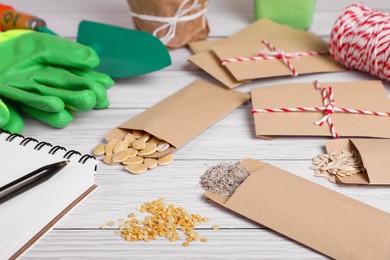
15	123
46	74
4	114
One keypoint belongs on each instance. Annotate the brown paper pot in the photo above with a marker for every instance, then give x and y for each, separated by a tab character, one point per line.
186	31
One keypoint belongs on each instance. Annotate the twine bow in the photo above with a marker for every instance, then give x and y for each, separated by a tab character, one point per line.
276	53
170	23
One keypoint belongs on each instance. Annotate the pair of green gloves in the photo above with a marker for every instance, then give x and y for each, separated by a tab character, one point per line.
45	76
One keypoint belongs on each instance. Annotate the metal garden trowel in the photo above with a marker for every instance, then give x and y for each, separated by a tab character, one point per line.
123	52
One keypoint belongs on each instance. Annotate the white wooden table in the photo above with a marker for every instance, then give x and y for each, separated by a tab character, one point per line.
77	236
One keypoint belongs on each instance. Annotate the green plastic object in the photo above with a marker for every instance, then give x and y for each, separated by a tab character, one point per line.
295	13
45	76
123	52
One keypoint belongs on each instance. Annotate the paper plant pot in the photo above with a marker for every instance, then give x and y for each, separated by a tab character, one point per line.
295	13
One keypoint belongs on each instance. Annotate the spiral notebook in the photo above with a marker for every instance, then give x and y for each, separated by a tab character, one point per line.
26	217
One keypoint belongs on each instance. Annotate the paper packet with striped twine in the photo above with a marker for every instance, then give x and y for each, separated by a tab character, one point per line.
280	51
361	109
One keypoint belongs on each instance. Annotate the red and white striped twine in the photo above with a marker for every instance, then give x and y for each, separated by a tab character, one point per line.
276	53
360	40
329	108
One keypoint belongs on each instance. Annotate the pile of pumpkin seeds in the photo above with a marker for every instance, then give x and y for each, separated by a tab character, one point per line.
133	150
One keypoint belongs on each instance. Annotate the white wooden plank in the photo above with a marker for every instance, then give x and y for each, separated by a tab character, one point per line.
222	244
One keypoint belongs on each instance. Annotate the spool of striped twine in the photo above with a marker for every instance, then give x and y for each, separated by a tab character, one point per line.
360	39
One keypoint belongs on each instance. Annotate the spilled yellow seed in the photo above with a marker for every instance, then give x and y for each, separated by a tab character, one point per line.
102	226
215	227
164	221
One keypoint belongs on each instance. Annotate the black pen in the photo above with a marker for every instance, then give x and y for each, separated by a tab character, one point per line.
32	179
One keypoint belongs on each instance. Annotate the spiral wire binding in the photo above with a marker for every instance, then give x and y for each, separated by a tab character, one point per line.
56	148
40	145
13	136
26	140
83	159
70	153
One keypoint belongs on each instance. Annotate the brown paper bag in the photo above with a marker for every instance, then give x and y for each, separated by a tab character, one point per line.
183	115
374	154
363	95
185	31
209	62
322	219
286	39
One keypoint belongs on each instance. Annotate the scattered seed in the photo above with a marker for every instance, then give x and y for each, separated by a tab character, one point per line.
161	147
133	160
147	151
137	133
120	156
150	163
129	137
165	160
121	146
107	159
110	146
145	137
136	168
215	227
99	150
138	144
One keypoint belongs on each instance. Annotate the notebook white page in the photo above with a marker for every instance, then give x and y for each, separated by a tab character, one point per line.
23	216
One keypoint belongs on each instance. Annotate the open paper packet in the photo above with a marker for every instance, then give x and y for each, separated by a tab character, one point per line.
374	154
349	109
324	220
183	115
296	51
